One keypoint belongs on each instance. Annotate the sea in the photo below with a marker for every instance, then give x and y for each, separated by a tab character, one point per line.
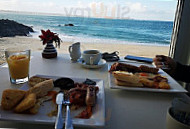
98	30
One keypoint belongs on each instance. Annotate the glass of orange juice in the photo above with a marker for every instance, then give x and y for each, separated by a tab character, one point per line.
18	62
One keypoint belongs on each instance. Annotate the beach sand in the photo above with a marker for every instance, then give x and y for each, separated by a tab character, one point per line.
123	49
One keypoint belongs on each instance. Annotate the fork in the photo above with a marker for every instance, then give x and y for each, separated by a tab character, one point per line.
68	121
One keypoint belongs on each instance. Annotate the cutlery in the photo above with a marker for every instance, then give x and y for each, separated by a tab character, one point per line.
68	121
59	119
164	67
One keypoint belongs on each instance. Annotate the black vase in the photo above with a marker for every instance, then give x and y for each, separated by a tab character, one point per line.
49	51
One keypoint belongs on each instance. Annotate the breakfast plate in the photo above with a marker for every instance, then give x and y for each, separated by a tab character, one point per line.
96	120
100	64
175	87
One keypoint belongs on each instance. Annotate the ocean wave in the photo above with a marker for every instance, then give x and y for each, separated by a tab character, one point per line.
93	40
90	30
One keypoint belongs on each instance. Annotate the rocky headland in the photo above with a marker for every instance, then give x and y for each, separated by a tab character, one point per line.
10	28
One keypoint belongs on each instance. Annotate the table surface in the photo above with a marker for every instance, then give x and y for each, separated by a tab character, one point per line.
124	109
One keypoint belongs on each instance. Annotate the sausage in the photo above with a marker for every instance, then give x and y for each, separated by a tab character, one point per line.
124	67
91	96
148	69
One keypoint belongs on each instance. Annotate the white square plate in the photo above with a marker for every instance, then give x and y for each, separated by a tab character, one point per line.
175	87
97	119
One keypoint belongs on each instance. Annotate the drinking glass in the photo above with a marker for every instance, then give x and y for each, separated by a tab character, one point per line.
18	61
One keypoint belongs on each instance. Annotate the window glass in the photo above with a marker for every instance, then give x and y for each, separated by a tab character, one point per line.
134	27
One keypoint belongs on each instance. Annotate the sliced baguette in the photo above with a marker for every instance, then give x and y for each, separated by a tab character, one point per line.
35	80
41	89
126	76
127	84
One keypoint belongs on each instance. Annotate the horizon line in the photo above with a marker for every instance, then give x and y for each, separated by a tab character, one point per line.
59	14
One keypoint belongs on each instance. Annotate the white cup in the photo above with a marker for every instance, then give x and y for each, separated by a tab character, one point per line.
91	57
172	123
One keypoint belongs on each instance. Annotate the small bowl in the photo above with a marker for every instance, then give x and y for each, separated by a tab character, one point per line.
172	123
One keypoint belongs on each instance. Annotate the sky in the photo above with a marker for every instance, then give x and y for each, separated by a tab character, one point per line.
163	10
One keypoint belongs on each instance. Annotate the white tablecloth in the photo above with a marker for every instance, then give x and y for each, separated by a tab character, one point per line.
124	109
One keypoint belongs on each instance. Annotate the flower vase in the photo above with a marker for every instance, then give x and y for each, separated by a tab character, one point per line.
49	51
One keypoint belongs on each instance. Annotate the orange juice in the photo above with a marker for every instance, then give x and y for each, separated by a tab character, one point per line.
18	66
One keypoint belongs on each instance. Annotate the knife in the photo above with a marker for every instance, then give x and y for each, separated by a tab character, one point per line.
68	120
59	119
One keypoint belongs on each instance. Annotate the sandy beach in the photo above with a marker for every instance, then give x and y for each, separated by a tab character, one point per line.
124	49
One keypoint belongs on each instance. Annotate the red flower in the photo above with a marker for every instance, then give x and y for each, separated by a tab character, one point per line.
48	36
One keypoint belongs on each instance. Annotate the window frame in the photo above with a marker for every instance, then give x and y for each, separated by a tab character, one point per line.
180	40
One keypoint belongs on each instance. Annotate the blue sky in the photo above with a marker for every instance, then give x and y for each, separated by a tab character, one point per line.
123	9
